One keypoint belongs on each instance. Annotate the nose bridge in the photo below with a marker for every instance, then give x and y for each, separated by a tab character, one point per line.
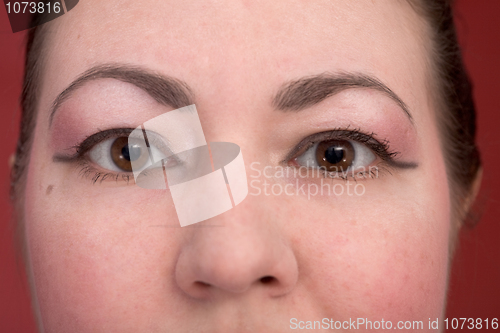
244	252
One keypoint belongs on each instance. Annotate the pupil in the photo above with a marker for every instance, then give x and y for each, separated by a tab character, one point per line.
334	154
131	153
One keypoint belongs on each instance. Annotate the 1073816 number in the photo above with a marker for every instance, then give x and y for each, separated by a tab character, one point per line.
33	7
471	323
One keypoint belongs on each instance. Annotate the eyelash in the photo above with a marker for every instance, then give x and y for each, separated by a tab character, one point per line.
87	170
380	148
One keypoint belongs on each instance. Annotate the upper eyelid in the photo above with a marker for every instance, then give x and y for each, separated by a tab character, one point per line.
95	139
382	148
346	134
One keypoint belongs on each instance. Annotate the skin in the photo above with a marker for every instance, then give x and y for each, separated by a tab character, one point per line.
106	257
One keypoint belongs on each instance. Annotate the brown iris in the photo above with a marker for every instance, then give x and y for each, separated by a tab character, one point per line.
124	153
334	155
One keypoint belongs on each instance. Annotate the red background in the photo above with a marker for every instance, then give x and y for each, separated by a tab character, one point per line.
474	286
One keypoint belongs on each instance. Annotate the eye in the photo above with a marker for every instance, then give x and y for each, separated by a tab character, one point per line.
117	154
336	155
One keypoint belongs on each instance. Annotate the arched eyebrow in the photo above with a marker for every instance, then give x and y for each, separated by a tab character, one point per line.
164	89
305	92
295	96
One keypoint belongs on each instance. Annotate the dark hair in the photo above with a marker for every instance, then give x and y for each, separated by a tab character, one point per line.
450	84
456	115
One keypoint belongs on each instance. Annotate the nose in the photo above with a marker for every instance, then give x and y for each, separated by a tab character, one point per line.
247	253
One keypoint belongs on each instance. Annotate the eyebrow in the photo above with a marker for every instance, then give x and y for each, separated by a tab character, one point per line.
305	92
164	89
295	95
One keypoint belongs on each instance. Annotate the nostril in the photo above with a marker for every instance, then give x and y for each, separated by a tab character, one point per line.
267	279
202	284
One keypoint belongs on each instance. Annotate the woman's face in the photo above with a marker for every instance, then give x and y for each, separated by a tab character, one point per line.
108	255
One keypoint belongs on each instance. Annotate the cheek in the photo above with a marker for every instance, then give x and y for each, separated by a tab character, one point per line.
403	268
383	255
95	252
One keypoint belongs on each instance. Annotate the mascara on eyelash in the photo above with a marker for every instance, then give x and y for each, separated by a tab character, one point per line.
381	148
87	170
89	142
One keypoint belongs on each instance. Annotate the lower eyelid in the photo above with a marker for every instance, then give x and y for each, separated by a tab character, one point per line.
88	171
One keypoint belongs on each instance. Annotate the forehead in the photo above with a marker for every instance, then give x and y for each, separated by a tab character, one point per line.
216	45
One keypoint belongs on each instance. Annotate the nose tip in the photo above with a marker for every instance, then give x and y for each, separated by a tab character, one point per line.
215	264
